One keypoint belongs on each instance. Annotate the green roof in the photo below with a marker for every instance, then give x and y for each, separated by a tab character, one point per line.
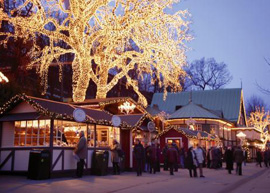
194	111
154	111
227	101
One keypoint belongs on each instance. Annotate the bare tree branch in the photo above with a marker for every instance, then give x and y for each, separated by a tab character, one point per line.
207	73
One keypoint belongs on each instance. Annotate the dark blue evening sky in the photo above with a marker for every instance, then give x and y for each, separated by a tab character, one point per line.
236	32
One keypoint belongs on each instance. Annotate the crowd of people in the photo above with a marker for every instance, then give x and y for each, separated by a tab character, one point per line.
263	157
148	158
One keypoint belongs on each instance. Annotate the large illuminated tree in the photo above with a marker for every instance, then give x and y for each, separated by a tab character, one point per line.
260	120
104	36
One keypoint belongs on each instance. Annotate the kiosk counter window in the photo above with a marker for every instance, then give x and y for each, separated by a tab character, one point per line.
32	133
66	133
105	135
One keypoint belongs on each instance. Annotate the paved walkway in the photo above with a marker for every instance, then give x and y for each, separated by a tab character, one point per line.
254	179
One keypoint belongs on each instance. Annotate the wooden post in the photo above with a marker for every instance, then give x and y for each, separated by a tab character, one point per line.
95	136
51	143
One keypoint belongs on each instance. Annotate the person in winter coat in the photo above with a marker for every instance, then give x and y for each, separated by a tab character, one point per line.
139	156
238	158
209	156
191	162
165	157
151	153
182	157
245	157
229	159
178	157
172	158
81	152
268	150
147	157
259	158
266	156
200	158
115	157
158	158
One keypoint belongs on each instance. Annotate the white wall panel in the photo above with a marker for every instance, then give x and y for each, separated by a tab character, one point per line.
8	134
21	160
58	166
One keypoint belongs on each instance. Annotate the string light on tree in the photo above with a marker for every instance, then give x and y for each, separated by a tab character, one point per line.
104	36
260	120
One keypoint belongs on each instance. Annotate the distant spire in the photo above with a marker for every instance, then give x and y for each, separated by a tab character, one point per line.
241	83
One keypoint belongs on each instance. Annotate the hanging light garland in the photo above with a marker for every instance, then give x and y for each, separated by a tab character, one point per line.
43	111
104	36
195	136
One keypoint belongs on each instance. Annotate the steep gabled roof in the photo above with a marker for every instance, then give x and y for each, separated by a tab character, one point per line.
226	100
193	110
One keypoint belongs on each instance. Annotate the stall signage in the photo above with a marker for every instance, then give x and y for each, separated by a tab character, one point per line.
116	121
151	126
79	115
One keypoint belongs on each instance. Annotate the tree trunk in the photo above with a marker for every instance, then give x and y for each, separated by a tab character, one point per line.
102	84
80	88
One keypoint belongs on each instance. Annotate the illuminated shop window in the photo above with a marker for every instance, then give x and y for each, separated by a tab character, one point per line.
66	133
214	129
105	135
199	127
32	133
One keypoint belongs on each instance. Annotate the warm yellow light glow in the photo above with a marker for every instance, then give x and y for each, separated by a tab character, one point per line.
171	121
3	78
109	36
260	120
127	108
241	135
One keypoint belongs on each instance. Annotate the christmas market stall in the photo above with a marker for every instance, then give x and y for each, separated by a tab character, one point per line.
250	141
137	123
184	137
29	123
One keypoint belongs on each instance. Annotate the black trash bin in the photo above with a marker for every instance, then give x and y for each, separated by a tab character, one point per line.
100	163
39	164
